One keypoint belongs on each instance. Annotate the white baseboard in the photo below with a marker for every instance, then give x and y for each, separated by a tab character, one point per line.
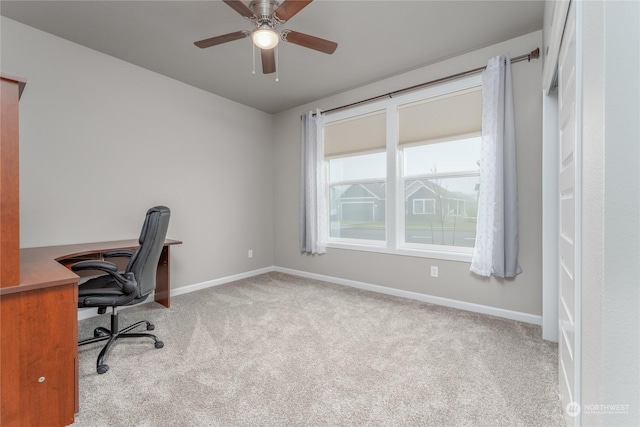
461	305
85	313
220	281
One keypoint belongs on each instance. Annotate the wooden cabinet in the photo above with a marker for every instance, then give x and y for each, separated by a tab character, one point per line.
38	356
38	304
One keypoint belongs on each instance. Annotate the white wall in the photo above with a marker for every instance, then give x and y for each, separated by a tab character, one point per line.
102	140
524	294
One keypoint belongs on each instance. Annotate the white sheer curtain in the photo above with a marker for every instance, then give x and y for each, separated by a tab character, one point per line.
496	248
313	200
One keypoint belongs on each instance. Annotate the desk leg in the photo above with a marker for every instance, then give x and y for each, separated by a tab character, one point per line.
162	278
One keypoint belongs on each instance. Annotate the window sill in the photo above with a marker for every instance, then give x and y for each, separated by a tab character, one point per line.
419	253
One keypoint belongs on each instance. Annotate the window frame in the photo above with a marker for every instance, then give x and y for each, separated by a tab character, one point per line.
394	208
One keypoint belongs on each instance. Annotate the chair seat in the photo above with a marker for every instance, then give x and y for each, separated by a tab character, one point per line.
102	291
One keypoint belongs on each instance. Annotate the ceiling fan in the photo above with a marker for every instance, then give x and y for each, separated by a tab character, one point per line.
266	16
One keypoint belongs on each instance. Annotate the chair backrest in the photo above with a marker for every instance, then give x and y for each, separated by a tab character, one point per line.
144	261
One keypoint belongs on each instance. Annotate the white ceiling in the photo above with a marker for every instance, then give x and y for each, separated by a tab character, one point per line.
376	39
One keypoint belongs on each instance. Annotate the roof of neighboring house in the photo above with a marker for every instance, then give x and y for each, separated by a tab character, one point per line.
371	189
377	190
435	189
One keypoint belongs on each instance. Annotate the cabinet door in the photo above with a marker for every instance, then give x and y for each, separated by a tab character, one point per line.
38	333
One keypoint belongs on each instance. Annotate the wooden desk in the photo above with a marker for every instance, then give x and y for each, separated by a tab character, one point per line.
50	262
39	332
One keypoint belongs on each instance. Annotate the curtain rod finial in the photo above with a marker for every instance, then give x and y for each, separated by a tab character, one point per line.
535	54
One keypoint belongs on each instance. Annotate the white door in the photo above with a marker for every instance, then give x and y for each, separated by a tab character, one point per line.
569	244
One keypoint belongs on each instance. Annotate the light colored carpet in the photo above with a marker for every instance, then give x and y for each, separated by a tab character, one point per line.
280	350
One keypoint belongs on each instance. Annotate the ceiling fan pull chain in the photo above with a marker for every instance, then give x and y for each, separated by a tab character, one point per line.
254	59
277	52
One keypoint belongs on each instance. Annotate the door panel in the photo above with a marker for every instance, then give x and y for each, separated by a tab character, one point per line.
569	179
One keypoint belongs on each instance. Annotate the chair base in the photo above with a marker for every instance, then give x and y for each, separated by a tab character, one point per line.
114	334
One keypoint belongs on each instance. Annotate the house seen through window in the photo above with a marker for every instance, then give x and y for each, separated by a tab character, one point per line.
441	195
403	174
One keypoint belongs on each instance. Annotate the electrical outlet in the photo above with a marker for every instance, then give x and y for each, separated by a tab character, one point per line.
250	253
434	271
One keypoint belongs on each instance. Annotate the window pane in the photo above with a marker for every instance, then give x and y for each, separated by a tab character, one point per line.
441	211
358	211
365	166
451	156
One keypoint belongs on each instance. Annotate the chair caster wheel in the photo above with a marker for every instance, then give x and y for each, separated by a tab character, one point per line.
159	344
102	369
150	327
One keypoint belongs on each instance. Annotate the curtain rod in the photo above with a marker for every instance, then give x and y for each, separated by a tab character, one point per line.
534	54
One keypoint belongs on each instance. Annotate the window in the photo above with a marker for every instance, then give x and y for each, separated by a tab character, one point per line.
424	206
403	173
356	159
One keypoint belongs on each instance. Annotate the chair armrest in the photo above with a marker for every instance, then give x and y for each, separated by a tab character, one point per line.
106	266
119	253
126	281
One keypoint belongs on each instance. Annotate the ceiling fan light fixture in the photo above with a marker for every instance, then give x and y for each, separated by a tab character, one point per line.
265	38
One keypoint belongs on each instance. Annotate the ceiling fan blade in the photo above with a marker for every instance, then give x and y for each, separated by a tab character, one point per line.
289	8
213	41
240	7
311	42
268	60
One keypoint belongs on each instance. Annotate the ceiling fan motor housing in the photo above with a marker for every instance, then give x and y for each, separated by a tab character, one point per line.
263	10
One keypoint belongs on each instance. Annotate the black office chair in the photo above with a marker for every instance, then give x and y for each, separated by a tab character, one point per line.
116	289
